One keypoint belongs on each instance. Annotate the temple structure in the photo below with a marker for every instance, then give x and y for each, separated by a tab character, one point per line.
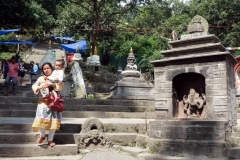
194	95
131	85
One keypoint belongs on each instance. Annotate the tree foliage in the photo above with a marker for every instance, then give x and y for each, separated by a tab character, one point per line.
95	20
223	17
28	15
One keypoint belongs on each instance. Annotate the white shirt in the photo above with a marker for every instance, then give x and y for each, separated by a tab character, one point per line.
57	74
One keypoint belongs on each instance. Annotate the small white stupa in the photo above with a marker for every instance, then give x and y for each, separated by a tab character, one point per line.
95	59
77	56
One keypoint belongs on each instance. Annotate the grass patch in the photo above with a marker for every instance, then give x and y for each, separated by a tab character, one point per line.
6	55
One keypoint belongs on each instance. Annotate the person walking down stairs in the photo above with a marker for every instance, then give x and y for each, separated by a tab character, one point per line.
46	118
21	73
34	70
11	75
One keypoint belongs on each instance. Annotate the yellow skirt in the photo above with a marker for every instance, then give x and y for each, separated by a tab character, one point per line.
46	118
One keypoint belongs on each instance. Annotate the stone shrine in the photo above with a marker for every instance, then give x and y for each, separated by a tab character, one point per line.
131	85
194	95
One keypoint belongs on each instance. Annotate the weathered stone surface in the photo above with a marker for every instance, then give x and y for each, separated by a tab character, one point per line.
188	130
132	85
213	149
26	150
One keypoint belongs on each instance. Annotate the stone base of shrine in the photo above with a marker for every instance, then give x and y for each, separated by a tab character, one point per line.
182	148
188	137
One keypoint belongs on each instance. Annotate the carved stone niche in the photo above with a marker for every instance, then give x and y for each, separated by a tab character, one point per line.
91	135
189	96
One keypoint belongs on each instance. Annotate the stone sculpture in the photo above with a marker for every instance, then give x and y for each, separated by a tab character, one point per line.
197	24
92	133
174	35
193	105
79	85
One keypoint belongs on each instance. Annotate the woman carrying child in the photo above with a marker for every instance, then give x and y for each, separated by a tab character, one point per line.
44	119
57	78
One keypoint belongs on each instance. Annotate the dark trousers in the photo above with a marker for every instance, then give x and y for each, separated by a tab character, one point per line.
31	74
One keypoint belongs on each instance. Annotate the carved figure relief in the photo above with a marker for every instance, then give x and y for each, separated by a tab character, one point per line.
193	105
92	134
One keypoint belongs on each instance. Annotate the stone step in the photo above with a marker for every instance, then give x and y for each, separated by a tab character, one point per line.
34	57
179	147
69	107
233	153
73	125
234	141
145	154
67	157
28	150
65	138
77	102
149	156
81	114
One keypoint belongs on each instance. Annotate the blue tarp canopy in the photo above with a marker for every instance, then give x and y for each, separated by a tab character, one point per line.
8	31
17	42
65	38
71	48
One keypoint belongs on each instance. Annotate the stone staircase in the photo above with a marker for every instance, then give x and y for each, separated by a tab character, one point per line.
123	122
40	50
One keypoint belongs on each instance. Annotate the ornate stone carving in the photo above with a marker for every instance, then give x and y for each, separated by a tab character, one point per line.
197	24
92	133
193	105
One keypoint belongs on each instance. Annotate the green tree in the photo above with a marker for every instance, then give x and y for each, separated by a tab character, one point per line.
142	34
223	17
93	20
28	15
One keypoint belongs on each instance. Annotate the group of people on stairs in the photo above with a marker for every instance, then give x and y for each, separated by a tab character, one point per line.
14	71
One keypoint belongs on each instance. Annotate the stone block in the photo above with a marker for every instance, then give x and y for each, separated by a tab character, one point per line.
211	149
219	74
216	81
166	85
220	101
161	114
216	92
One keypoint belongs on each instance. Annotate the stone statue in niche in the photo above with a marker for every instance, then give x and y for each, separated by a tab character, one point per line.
193	105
